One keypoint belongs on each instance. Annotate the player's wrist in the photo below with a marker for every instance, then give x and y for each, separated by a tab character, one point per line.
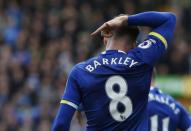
124	19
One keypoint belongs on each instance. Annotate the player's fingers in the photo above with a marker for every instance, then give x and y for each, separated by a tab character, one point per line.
98	30
101	28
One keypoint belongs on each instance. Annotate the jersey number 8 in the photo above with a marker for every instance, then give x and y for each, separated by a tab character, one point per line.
118	97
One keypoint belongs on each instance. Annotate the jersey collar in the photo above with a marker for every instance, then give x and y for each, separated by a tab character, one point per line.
113	51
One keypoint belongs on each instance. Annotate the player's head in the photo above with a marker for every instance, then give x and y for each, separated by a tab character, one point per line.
124	36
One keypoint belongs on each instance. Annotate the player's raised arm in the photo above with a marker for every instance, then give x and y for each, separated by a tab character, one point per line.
69	104
163	24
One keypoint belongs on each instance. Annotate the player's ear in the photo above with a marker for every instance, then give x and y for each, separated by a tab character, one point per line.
105	40
106	36
106	33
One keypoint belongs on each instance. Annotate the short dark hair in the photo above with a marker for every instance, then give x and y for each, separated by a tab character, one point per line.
131	31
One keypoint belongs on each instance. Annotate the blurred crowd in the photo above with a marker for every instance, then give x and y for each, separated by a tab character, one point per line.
40	41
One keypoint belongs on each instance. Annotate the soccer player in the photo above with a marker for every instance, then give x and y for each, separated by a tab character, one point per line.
113	87
166	114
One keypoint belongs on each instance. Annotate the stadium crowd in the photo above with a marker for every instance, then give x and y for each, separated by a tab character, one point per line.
41	40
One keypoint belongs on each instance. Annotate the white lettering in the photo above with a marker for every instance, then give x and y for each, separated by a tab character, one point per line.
89	68
157	98
151	97
133	63
177	111
120	60
96	63
165	101
126	61
113	60
105	61
172	105
162	100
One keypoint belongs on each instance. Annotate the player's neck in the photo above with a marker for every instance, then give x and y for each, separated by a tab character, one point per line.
117	45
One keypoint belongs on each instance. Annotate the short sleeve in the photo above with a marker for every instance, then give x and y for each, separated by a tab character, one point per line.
150	50
184	119
72	95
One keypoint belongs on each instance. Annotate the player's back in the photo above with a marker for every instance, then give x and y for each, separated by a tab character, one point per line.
114	89
165	113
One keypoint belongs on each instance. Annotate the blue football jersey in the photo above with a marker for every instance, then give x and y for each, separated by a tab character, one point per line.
166	114
113	87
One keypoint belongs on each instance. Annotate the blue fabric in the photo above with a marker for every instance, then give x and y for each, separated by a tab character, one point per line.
86	85
163	106
88	88
161	22
63	118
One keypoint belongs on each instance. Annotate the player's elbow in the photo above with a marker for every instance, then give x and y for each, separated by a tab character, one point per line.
171	20
172	17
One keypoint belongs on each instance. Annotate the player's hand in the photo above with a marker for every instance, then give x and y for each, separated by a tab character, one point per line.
107	28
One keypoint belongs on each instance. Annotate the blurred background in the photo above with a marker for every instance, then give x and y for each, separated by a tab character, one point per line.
40	40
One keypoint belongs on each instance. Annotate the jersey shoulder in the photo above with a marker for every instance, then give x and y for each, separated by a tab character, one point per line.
150	50
76	70
157	95
80	67
157	91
